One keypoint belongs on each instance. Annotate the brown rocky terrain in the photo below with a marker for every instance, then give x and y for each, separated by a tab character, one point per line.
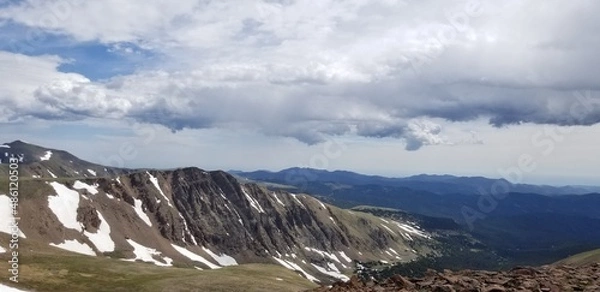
546	278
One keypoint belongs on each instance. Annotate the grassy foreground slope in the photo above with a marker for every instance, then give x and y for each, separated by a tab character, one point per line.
43	268
583	258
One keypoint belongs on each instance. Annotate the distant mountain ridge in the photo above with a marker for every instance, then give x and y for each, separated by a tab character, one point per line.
438	184
528	224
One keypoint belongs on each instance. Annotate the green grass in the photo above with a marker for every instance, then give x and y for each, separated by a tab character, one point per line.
43	268
583	258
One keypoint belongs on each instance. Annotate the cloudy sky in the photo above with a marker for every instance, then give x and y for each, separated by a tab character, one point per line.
391	87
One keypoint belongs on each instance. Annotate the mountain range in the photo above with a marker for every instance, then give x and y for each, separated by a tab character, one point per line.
193	218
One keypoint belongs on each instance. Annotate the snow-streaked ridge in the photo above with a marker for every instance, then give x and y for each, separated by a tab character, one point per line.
253	202
154	181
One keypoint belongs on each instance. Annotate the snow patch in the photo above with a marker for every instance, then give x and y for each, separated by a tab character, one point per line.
146	254
194	257
91	172
75	246
110	196
412	230
186	229
388	229
140	211
35	176
345	257
335	273
2	250
64	205
254	203
154	181
4	146
78	185
46	156
278	200
322	205
6	216
5	288
101	239
51	174
223	259
323	253
296	199
294	267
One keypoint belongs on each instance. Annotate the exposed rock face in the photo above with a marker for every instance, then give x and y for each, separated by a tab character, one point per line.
546	278
208	220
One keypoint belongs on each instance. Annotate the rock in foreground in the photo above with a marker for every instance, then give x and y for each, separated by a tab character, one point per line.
545	278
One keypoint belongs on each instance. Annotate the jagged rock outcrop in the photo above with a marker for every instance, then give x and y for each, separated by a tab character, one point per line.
547	278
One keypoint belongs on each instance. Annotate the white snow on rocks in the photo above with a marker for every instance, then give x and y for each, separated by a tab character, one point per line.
412	230
6	216
294	267
75	246
322	205
140	211
101	238
5	288
46	156
388	229
64	205
296	198
4	146
83	186
2	250
344	256
278	200
146	254
51	174
323	254
254	203
91	172
331	271
194	257
154	181
187	230
223	259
